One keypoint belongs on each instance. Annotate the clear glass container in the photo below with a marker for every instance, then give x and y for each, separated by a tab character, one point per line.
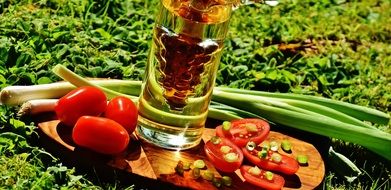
181	71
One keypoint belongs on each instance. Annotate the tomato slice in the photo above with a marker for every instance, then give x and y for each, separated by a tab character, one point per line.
223	154
244	130
286	164
276	183
100	134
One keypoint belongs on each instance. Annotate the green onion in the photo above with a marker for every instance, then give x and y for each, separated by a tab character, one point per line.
274	145
186	166
250	146
215	140
276	157
217	182
225	149
373	139
77	80
17	95
196	173
286	145
265	145
254	171
208	175
179	168
269	175
262	154
231	157
226	180
302	159
199	164
226	125
37	106
355	111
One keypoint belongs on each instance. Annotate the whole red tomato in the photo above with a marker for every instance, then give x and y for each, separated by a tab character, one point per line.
82	101
100	135
123	111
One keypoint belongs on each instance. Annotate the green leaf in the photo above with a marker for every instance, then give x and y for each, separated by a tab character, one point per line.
17	123
289	75
272	74
12	57
44	80
23	59
259	75
57	35
103	33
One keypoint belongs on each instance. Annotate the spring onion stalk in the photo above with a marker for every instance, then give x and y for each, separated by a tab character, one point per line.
17	95
326	111
356	111
37	106
373	139
307	108
78	81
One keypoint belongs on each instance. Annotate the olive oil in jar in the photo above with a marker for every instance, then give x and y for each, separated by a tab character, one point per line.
180	75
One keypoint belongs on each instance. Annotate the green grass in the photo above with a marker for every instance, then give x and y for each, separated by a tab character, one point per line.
336	49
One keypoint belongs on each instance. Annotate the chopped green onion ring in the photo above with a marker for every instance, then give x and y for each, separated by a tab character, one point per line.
226	180
208	175
274	146
226	125
302	159
276	157
262	154
199	164
286	145
231	157
254	171
215	140
225	149
250	146
268	175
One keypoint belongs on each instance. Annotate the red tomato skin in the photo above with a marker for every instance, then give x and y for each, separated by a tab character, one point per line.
124	111
275	184
214	154
81	101
287	165
100	134
241	142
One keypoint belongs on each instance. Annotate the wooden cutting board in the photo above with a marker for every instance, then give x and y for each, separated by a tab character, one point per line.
158	164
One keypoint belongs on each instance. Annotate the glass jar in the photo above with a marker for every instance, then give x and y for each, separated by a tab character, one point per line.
181	71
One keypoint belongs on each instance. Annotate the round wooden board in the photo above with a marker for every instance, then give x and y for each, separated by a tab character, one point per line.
158	164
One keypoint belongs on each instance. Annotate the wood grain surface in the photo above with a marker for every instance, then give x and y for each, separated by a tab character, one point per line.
158	164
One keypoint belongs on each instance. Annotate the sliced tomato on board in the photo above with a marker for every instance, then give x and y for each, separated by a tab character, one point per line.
242	131
271	160
275	182
223	154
